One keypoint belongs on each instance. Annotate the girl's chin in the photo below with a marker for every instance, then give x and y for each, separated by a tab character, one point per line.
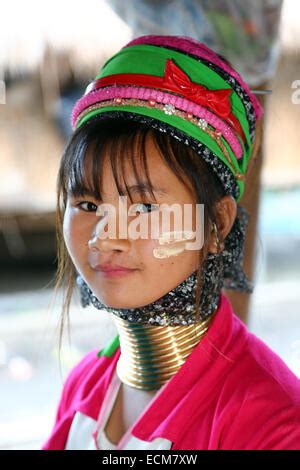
119	301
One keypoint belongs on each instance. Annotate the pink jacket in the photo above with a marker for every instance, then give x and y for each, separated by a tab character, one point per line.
232	392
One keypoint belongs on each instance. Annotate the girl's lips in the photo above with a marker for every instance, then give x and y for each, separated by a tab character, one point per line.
112	271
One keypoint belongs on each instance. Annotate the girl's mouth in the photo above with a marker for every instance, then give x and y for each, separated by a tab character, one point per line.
113	271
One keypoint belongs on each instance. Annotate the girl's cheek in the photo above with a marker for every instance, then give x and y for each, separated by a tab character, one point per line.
71	233
67	226
172	258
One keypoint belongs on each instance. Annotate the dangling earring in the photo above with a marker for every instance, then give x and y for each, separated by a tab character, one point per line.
212	278
218	244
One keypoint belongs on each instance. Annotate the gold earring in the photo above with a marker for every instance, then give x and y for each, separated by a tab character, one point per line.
217	242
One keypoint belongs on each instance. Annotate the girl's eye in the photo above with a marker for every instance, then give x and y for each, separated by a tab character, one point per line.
142	207
136	208
80	205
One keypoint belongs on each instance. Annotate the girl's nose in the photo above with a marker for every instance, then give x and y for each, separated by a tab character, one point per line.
104	241
108	244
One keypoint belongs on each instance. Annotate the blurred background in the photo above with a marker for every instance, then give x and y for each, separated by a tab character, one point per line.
49	52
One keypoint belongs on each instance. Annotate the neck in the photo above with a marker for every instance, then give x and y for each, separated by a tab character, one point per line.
156	339
151	355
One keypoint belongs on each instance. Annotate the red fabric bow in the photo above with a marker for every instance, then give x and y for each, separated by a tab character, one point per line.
216	100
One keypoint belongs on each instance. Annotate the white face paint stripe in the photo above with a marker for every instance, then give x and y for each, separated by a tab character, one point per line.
168	251
174	239
176	236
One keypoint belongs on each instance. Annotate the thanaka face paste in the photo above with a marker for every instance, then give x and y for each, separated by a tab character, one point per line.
173	243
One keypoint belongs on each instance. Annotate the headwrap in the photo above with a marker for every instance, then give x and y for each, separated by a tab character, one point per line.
180	87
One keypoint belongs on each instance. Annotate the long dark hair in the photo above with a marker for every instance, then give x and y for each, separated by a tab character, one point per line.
120	140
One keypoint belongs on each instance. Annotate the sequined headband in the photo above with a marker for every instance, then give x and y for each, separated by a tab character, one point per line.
187	88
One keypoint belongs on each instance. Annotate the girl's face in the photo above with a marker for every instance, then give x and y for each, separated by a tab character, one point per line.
156	268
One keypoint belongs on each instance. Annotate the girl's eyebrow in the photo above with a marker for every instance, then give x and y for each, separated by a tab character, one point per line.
80	192
141	188
146	188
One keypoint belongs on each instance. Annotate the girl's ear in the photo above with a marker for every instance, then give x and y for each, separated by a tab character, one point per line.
226	211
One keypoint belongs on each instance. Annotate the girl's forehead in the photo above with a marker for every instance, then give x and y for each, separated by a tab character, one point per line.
133	163
132	168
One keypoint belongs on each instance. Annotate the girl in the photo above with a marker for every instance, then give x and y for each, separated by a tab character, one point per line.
167	124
